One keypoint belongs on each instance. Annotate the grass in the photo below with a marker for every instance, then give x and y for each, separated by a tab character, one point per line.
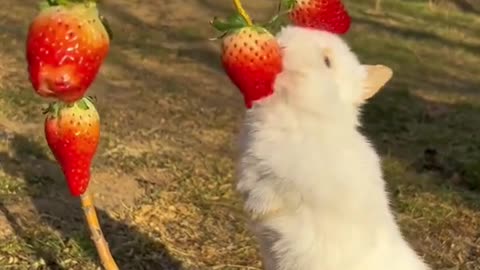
163	174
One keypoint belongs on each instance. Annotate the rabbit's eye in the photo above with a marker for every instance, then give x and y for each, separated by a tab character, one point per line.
327	61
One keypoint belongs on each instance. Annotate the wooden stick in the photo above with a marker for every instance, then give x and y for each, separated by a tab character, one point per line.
96	232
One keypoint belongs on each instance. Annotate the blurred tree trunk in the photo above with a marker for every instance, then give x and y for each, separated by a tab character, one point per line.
378	5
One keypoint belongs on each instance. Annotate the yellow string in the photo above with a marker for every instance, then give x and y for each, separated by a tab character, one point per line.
243	13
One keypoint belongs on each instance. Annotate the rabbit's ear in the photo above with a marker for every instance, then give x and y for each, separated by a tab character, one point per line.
377	77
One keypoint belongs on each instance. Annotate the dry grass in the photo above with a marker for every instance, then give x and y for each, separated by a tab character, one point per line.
163	174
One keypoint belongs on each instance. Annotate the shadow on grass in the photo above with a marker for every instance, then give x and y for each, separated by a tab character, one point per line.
418	34
430	137
197	38
51	200
467	6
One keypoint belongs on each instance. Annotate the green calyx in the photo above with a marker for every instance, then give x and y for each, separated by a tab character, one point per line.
235	21
88	4
231	24
52	3
53	110
287	4
234	24
82	104
279	19
106	24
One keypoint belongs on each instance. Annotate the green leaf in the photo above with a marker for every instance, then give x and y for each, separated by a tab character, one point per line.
219	24
288	4
50	3
48	109
82	104
106	24
92	99
276	23
53	109
63	2
236	21
233	22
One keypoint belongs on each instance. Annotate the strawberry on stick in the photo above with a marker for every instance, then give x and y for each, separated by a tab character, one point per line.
251	56
67	43
328	15
72	132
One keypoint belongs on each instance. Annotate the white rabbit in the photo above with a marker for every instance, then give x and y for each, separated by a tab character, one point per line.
311	181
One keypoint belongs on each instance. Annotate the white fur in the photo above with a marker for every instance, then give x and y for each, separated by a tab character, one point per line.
305	166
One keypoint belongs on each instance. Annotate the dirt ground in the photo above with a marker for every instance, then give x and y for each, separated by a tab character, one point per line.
162	178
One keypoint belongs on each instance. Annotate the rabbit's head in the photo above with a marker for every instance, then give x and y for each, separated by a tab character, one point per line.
322	75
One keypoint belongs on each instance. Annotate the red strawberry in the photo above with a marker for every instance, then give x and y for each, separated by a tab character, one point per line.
66	46
328	15
73	132
251	58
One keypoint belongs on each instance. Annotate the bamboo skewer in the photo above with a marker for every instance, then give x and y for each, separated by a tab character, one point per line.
96	232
